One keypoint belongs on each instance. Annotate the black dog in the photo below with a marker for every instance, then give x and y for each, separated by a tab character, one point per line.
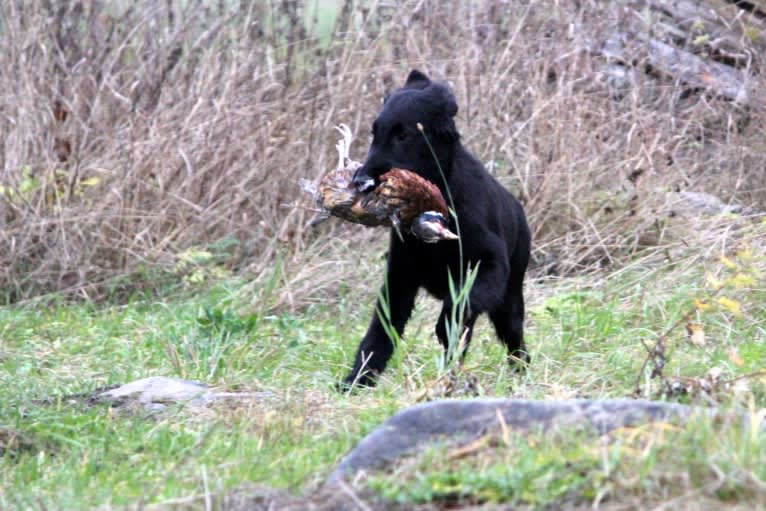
493	228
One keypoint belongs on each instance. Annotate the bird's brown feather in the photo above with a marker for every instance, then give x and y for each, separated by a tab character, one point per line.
401	193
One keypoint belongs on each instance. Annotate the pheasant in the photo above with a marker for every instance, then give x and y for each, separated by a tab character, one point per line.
402	200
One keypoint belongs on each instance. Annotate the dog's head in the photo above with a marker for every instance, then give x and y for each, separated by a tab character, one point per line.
397	139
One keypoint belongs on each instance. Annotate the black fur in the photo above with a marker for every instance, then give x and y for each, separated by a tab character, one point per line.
492	225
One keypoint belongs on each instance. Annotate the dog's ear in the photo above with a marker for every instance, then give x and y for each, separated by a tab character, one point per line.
446	106
417	80
446	99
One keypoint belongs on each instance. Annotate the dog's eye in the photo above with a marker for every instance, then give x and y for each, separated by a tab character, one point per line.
401	136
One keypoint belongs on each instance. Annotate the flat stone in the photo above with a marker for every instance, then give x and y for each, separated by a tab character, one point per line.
703	203
415	428
160	390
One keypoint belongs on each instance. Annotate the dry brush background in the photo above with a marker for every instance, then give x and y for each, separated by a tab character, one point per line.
131	133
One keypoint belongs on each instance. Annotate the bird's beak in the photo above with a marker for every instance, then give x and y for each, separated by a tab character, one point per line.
444	233
449	235
438	233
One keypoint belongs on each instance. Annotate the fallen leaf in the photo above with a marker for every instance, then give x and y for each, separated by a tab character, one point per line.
714	282
728	263
730	304
741	280
735	357
696	334
91	181
745	254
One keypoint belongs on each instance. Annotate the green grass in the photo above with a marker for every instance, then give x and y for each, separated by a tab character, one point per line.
80	455
586	339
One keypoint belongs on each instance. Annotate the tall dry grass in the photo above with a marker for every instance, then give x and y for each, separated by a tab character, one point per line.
132	133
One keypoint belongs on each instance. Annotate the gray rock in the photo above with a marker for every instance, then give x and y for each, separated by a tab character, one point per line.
159	390
414	428
155	393
703	203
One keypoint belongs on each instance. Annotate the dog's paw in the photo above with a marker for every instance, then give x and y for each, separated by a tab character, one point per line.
354	382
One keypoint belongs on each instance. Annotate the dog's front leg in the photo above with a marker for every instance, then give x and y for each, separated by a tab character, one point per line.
376	347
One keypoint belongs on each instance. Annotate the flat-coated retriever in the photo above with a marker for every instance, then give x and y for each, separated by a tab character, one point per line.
492	225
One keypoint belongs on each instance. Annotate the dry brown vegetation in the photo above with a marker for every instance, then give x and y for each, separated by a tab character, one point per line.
132	133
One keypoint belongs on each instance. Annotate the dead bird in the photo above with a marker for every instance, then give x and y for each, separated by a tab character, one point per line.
403	200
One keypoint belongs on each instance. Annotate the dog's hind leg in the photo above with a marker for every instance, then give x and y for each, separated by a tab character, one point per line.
508	320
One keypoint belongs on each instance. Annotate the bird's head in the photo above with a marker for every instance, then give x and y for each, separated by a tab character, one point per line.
431	227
